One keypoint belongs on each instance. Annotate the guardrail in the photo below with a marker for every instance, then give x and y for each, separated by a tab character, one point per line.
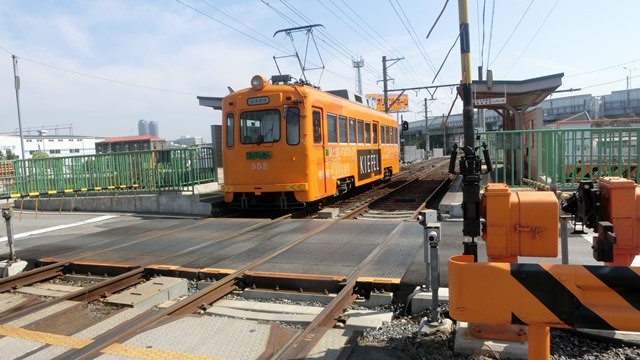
153	170
562	157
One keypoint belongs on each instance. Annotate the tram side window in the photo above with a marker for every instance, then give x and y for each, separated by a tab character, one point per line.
383	134
332	128
360	132
375	133
317	128
352	130
292	121
343	129
367	133
230	130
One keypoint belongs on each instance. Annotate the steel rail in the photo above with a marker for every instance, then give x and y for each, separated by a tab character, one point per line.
302	344
32	276
428	199
98	290
364	207
89	293
189	305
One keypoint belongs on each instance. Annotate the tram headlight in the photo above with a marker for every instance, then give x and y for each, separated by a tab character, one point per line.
258	82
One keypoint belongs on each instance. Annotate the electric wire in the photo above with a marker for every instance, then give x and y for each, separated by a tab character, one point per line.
268	42
438	18
330	41
107	79
227	25
493	11
293	22
5	50
415	41
532	38
512	33
602	69
388	47
484	7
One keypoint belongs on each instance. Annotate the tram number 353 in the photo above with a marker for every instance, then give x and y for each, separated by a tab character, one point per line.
259	166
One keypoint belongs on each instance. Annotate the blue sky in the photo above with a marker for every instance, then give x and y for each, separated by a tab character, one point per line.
103	65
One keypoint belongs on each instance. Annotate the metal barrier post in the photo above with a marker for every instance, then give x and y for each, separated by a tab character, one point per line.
564	238
7	214
433	238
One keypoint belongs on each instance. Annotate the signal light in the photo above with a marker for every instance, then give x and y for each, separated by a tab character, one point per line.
405	125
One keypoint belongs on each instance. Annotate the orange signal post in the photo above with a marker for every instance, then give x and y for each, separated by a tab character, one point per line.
518	224
541	296
621	207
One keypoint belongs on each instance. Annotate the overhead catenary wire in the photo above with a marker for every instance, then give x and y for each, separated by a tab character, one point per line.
604	68
532	38
320	38
267	42
420	48
324	37
493	11
387	47
511	35
106	79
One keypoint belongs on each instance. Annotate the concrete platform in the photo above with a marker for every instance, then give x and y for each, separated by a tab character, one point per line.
451	203
186	204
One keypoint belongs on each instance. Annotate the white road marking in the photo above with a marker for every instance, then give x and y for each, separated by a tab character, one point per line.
59	227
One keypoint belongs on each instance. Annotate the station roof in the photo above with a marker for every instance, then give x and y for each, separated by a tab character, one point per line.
517	94
213	102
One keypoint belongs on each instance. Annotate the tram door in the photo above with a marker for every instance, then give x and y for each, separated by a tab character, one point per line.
319	149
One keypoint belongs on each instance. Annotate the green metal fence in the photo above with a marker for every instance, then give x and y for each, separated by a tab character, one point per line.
155	170
562	157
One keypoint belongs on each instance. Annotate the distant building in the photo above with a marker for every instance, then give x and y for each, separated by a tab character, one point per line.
143	127
188	141
130	143
154	129
52	145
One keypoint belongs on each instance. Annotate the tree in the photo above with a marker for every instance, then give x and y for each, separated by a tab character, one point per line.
39	155
10	155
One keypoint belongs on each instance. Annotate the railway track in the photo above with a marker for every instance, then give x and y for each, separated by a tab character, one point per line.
402	197
111	340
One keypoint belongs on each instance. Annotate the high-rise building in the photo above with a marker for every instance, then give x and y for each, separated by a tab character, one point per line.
143	127
154	130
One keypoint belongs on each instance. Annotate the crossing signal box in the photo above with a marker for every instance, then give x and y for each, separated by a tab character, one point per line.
519	223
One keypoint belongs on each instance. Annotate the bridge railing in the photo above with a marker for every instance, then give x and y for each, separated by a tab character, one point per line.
153	170
562	157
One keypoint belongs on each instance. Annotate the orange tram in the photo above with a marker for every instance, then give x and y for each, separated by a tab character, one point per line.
286	144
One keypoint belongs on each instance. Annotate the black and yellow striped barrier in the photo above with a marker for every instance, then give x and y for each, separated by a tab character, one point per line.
69	191
544	295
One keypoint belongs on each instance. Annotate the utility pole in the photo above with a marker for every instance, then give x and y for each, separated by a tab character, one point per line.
426	127
384	80
17	86
358	64
481	111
